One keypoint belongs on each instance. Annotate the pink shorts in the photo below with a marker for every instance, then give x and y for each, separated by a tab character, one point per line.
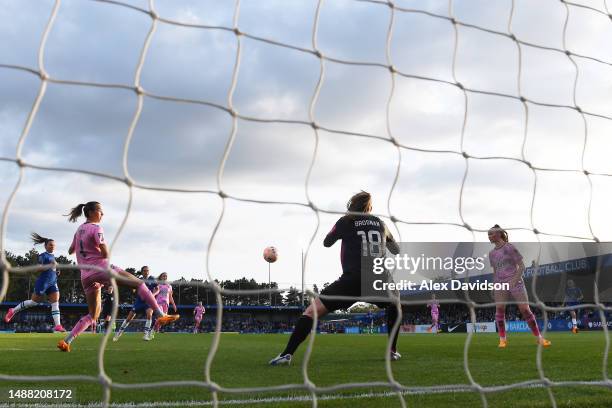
163	307
435	316
517	294
198	319
96	279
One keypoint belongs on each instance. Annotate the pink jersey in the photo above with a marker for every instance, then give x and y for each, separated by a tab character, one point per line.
434	305
199	311
163	296
504	261
86	244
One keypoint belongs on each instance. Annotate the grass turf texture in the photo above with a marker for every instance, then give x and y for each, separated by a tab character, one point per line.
241	361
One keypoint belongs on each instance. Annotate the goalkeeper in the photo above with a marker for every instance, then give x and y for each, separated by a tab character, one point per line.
362	234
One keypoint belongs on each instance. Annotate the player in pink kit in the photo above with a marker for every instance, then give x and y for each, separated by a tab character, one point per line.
90	248
198	314
164	298
508	267
435	314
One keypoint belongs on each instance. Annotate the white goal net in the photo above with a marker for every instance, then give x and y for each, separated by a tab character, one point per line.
478	99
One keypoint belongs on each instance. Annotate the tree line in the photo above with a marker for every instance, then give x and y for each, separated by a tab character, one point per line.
186	292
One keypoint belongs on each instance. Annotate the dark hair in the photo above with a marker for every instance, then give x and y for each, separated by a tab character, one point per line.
144	266
360	202
37	239
160	275
502	231
82	209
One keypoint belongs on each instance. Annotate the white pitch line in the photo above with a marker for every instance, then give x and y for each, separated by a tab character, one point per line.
269	400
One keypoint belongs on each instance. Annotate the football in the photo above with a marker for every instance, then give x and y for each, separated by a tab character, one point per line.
270	254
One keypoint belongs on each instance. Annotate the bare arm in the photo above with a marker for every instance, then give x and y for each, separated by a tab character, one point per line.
104	250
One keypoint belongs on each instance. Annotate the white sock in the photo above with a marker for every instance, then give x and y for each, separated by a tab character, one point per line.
124	325
55	313
24	305
148	326
574	322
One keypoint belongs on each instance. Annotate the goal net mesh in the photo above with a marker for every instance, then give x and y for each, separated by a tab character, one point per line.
598	10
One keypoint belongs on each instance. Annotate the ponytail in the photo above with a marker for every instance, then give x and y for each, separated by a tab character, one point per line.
37	239
82	209
503	232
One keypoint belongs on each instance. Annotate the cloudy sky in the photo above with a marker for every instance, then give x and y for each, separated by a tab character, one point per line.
180	145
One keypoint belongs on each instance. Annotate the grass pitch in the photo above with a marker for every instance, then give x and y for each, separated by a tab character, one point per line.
241	361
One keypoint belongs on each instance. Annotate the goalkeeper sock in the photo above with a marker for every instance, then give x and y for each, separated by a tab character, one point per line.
55	313
79	328
146	295
574	322
391	319
300	332
26	304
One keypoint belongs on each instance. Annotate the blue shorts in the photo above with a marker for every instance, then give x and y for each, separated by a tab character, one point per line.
45	286
570	304
140	307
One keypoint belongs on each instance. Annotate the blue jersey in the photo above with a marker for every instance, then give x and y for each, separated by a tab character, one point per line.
49	276
151	283
573	294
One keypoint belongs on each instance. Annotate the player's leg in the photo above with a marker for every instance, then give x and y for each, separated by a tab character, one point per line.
501	296
36	299
145	294
157	326
300	332
519	294
125	324
392	318
148	324
53	296
94	301
574	321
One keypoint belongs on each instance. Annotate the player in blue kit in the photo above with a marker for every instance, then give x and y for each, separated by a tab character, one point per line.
46	285
140	306
573	297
